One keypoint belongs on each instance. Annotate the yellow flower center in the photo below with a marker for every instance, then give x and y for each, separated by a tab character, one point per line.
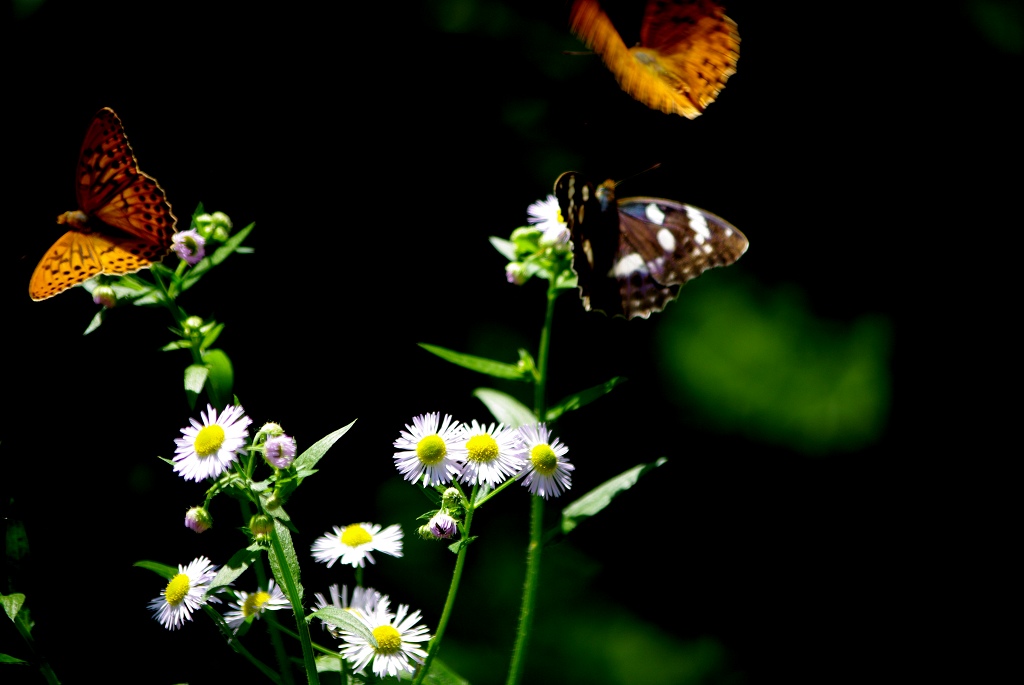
209	440
388	639
431	450
482	448
177	588
544	459
355	535
253	604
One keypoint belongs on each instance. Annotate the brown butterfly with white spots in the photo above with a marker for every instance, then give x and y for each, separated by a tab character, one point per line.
631	256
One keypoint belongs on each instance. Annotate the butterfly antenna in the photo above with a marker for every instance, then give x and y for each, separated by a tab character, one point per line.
650	168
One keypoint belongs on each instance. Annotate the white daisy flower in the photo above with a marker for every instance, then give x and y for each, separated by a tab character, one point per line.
250	606
547	216
545	471
354	543
489	454
397	637
183	594
426	450
364	602
207	449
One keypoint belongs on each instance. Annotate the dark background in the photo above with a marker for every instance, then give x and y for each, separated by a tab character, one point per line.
863	150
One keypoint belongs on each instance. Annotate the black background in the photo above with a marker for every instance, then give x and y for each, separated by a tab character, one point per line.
863	150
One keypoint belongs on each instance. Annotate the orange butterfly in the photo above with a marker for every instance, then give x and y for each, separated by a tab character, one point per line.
687	51
123	222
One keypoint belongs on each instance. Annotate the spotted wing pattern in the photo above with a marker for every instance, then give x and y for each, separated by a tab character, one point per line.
123	223
632	255
688	49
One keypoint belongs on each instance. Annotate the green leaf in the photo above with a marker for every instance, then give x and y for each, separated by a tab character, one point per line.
235	566
442	674
342	618
222	377
211	336
284	536
506	247
8	659
310	457
12	604
583	398
601	496
162	570
195	379
97	320
505	408
478	364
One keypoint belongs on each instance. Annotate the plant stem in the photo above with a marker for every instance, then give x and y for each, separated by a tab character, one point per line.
460	562
533	549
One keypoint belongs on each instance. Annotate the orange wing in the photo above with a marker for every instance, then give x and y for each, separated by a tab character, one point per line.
687	51
123	223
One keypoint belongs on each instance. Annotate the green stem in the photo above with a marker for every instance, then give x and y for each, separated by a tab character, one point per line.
533	549
460	562
302	627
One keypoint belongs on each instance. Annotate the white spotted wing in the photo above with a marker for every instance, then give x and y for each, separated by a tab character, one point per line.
631	256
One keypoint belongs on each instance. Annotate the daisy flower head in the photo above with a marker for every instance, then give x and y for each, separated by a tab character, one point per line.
189	246
183	594
545	468
489	454
547	216
398	641
354	543
425	449
364	602
206	450
249	606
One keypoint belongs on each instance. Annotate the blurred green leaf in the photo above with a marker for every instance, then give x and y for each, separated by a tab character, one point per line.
757	362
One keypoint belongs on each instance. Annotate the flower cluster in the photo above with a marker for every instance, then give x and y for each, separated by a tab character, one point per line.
442	451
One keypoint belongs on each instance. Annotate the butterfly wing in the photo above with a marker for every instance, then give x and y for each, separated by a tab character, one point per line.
123	224
688	49
594	227
111	188
77	257
631	256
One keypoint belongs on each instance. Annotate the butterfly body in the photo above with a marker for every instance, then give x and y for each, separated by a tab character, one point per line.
123	223
688	49
632	255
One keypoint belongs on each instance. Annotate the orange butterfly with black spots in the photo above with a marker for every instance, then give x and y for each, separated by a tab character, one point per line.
687	51
123	222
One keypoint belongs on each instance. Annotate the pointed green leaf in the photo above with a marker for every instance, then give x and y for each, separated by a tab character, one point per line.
506	247
505	408
601	496
583	398
162	570
97	320
478	364
291	561
310	457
